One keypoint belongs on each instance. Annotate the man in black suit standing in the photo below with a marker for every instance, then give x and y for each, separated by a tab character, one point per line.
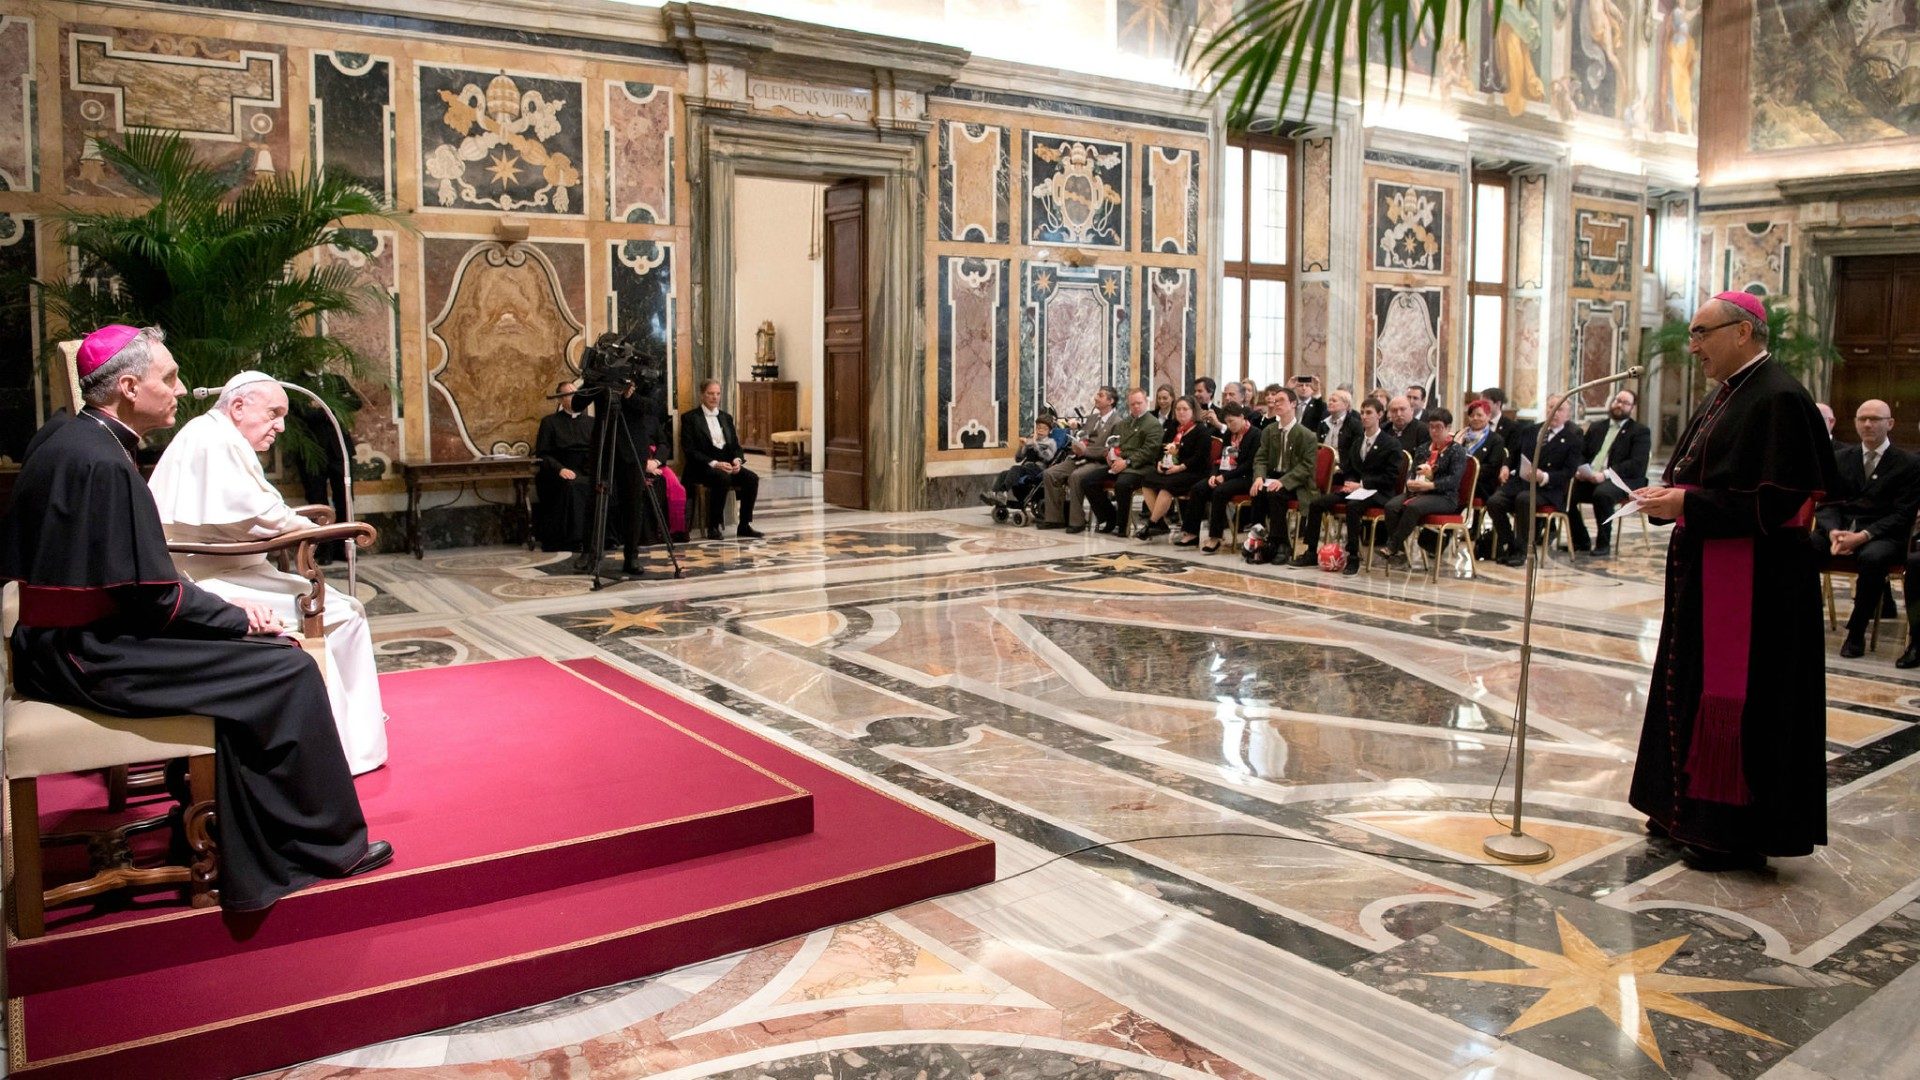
1369	463
1561	457
710	445
1872	516
1622	444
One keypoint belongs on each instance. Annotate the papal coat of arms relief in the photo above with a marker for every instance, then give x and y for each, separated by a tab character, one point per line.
497	149
1077	199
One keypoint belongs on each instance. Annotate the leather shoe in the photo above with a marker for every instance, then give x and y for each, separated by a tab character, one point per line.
1657	830
1602	553
713	533
1073	528
1713	862
1515	561
1855	645
582	563
1910	658
1044	524
1106	527
1302	560
748	532
1352	567
631	568
379	853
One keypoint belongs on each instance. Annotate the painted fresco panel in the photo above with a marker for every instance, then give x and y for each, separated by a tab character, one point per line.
640	138
1316	205
1826	74
19	162
973	352
641	308
1601	76
497	142
374	333
1676	49
1170	203
352	111
1155	29
1076	191
1409	228
1167	339
974	181
1514	58
228	98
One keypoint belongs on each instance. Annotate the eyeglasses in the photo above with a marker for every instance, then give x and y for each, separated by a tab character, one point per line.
1874	419
1698	332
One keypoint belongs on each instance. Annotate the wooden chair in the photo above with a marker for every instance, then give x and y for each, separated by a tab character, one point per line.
1555	521
1848	566
1454	525
1370	521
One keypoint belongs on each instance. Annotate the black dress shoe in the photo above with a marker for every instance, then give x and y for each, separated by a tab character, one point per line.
1515	561
748	532
1855	645
1076	528
1106	527
1302	560
582	563
379	853
1910	658
1657	830
713	533
1158	528
631	568
1352	567
1048	525
1714	862
1602	553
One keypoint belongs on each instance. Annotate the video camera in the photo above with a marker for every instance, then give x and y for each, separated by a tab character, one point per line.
609	364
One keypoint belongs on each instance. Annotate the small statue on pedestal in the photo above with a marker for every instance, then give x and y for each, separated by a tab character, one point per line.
766	367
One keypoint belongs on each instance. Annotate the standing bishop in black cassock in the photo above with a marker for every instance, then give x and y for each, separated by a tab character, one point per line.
1733	752
107	623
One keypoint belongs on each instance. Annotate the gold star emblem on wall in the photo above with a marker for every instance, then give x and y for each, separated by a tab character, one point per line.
505	168
1624	987
1109	287
1043	281
655	620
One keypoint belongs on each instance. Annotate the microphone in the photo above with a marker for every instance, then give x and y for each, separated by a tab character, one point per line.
205	391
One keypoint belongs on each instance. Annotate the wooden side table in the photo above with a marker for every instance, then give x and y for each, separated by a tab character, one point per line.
767	407
519	470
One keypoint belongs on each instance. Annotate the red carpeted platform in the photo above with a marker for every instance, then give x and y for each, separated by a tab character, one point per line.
355	963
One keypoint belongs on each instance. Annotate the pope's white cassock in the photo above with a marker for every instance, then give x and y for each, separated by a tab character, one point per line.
211	489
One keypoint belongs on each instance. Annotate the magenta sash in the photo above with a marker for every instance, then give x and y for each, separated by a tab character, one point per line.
1715	771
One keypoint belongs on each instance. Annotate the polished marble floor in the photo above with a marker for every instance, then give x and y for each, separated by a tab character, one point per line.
1290	774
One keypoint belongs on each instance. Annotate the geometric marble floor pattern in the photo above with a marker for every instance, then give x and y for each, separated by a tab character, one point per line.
1284	778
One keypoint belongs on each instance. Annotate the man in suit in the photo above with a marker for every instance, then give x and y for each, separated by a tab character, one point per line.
1086	456
1872	516
1505	424
564	447
1622	444
1417	398
1370	463
1341	425
1142	439
1283	470
1404	424
710	444
1559	460
1311	409
1203	392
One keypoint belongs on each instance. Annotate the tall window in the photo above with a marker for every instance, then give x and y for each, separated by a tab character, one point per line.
1258	270
1487	284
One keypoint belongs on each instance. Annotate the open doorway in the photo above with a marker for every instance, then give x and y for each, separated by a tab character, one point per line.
778	280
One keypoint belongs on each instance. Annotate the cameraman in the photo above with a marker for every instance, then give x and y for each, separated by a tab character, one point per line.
634	467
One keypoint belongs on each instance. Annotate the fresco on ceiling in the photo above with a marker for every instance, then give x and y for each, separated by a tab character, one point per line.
1828	72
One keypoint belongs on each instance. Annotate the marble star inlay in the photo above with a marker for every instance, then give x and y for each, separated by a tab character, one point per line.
1625	987
1124	563
657	619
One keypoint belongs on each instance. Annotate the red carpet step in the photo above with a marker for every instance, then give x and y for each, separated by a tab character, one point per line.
373	964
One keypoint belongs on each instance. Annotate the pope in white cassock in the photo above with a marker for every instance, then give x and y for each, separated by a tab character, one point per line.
211	489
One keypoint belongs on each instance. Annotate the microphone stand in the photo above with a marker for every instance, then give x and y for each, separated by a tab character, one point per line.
1515	846
346	482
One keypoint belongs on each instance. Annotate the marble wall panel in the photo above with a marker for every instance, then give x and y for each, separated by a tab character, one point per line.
1514	59
227	97
19	150
1408	329
1529	232
1316	205
19	338
974	181
1170	201
1523	393
639	151
352	110
642	306
1076	191
1170	305
973	352
1599	344
502	328
373	333
495	141
1758	257
1603	245
1073	333
1409	228
1310	332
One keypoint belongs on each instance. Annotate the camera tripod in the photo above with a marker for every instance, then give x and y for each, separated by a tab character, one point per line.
610	429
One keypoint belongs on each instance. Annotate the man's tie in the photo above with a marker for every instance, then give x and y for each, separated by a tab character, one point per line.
1606	444
1869	461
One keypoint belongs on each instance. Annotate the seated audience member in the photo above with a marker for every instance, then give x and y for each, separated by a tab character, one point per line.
1480	442
1505	424
1248	394
1265	415
1282	471
1203	392
1086	457
1370	463
1872	516
1622	444
1401	424
1129	464
1162	411
1826	413
108	623
1342	424
1558	461
1417	401
1310	409
1434	487
1183	465
210	489
564	486
711	447
1233	477
1030	462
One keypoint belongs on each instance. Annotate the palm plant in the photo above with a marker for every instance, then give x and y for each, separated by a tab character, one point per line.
1266	40
1794	341
229	275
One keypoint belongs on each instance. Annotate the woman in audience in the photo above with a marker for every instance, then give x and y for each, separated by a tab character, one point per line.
1482	442
1434	488
1163	396
1183	465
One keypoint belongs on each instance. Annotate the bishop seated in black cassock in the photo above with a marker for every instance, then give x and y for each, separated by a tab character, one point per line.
107	623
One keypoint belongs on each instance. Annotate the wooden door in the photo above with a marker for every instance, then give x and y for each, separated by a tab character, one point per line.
844	445
1876	331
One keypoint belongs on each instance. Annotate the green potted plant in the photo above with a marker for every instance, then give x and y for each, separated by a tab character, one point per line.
1794	340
